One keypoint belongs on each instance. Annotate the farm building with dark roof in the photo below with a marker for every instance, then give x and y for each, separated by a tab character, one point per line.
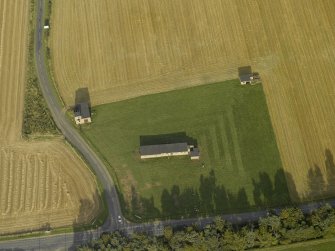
82	113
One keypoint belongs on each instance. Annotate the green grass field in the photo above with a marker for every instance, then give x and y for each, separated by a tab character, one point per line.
317	245
329	246
239	169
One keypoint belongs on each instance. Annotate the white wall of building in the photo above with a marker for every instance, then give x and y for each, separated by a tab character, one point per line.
163	155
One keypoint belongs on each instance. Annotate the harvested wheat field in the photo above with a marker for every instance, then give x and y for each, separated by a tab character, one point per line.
13	17
125	48
42	183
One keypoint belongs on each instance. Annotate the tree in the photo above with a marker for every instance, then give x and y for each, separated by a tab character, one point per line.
220	224
322	217
168	233
250	237
301	234
291	218
266	239
271	224
233	241
290	226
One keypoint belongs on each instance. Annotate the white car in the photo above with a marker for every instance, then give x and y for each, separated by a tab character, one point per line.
119	219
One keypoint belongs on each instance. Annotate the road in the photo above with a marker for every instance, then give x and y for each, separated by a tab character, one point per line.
67	129
70	241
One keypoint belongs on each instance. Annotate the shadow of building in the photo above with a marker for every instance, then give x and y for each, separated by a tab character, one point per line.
171	138
82	95
244	70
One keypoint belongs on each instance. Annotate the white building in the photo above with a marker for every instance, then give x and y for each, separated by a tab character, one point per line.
251	78
166	150
246	79
82	114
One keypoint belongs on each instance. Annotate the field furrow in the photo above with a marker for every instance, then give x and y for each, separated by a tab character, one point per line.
47	182
41	183
227	158
17	184
23	181
3	173
235	143
10	184
29	190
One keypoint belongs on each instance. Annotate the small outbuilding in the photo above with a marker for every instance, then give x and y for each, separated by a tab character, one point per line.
194	153
250	78
82	114
245	79
46	24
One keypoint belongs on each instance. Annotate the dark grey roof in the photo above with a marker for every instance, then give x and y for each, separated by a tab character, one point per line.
245	77
82	110
165	148
195	152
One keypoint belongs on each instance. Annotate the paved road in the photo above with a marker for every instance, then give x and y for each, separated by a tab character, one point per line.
66	128
71	240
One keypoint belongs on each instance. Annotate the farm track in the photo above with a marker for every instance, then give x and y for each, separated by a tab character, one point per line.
121	49
41	182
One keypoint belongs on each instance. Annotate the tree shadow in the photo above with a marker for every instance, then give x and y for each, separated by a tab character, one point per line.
171	138
269	194
208	199
330	169
142	208
316	183
84	221
211	198
321	185
292	189
82	95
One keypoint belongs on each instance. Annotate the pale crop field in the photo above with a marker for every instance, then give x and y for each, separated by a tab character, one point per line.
13	43
125	48
42	183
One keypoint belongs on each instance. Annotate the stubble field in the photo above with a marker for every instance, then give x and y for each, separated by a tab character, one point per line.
123	48
42	183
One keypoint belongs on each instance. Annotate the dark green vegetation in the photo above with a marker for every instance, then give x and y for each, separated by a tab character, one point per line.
289	226
37	118
239	169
